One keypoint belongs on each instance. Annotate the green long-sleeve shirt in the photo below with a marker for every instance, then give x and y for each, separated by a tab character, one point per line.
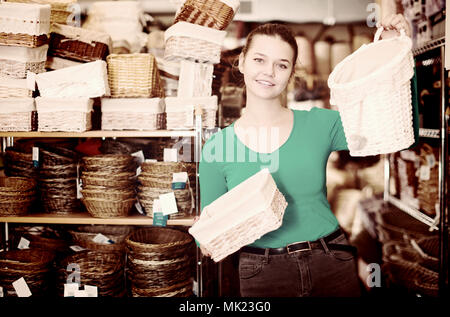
298	168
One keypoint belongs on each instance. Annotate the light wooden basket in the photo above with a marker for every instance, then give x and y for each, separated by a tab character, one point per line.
16	114
133	75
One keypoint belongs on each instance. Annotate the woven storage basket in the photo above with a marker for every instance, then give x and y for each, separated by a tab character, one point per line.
51	156
133	75
180	112
16	114
109	163
183	198
87	80
193	42
240	216
17	194
183	289
102	269
24	24
19	164
64	114
14	88
60	9
210	13
109	193
48	244
132	113
84	235
162	167
15	61
105	208
372	91
160	261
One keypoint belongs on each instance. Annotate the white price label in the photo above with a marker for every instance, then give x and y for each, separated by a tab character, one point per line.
21	288
91	291
181	177
168	203
424	173
101	239
140	156
77	248
156	206
170	155
80	293
70	289
23	244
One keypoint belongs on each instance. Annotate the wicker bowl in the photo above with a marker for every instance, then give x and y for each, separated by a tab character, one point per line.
105	208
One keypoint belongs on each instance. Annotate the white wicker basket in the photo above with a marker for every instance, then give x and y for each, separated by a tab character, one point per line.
180	112
195	79
24	18
14	88
85	80
193	42
372	91
64	114
132	113
16	114
240	216
15	61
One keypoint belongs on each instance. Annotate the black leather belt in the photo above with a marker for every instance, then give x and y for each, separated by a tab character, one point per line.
305	246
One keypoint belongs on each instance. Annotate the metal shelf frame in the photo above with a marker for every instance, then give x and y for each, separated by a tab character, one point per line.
441	221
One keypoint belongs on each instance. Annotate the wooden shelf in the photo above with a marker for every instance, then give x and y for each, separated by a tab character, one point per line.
101	134
85	218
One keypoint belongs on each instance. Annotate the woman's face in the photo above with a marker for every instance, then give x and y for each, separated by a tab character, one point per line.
267	66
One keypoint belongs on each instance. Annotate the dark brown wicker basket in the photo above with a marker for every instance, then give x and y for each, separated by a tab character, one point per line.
75	50
84	236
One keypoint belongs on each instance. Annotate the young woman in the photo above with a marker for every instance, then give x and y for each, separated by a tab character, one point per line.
309	254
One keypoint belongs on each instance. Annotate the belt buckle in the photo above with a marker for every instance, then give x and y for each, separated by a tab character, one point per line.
300	250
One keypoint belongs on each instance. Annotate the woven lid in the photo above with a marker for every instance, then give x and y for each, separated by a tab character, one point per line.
83	35
12	105
152	105
195	31
44	104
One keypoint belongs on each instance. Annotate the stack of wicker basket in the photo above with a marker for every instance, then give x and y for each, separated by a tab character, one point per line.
156	179
32	265
17	195
160	262
58	180
19	162
84	236
108	185
105	270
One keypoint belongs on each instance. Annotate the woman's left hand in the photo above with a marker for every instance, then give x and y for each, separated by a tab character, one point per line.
393	24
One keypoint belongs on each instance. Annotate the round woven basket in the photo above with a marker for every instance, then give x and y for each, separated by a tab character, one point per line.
104	208
155	181
16	184
111	194
102	160
58	171
162	167
17	195
183	289
27	259
84	236
47	243
110	182
57	156
102	269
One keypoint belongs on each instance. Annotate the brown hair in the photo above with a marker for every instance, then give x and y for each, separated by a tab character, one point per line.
274	29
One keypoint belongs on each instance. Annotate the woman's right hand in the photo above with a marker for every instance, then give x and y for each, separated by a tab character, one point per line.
202	249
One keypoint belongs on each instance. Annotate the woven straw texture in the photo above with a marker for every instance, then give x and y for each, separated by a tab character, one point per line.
211	13
160	262
372	91
18	69
133	75
18	121
84	235
192	49
10	92
23	39
69	121
17	194
133	121
72	49
102	269
59	10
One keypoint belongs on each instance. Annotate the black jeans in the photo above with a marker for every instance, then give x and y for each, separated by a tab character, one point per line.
315	273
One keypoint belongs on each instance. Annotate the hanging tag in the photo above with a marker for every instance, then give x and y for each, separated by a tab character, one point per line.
159	220
179	180
170	155
168	203
77	248
140	159
424	172
101	239
69	289
35	156
138	206
1	292
23	244
431	160
21	288
91	291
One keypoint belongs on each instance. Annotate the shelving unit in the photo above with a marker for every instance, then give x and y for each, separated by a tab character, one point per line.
440	222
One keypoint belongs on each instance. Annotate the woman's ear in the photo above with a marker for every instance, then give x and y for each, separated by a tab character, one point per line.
241	63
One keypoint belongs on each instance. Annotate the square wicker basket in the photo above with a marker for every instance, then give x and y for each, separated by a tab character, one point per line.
240	216
64	114
132	114
16	114
134	75
60	10
15	61
14	88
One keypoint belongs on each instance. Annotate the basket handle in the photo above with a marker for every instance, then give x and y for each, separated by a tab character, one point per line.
380	30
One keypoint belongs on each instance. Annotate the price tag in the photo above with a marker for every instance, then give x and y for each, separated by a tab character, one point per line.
424	173
101	239
139	208
159	220
77	248
79	188
35	156
69	289
91	290
23	244
80	293
179	180
168	203
431	160
170	155
1	292
140	160
21	288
